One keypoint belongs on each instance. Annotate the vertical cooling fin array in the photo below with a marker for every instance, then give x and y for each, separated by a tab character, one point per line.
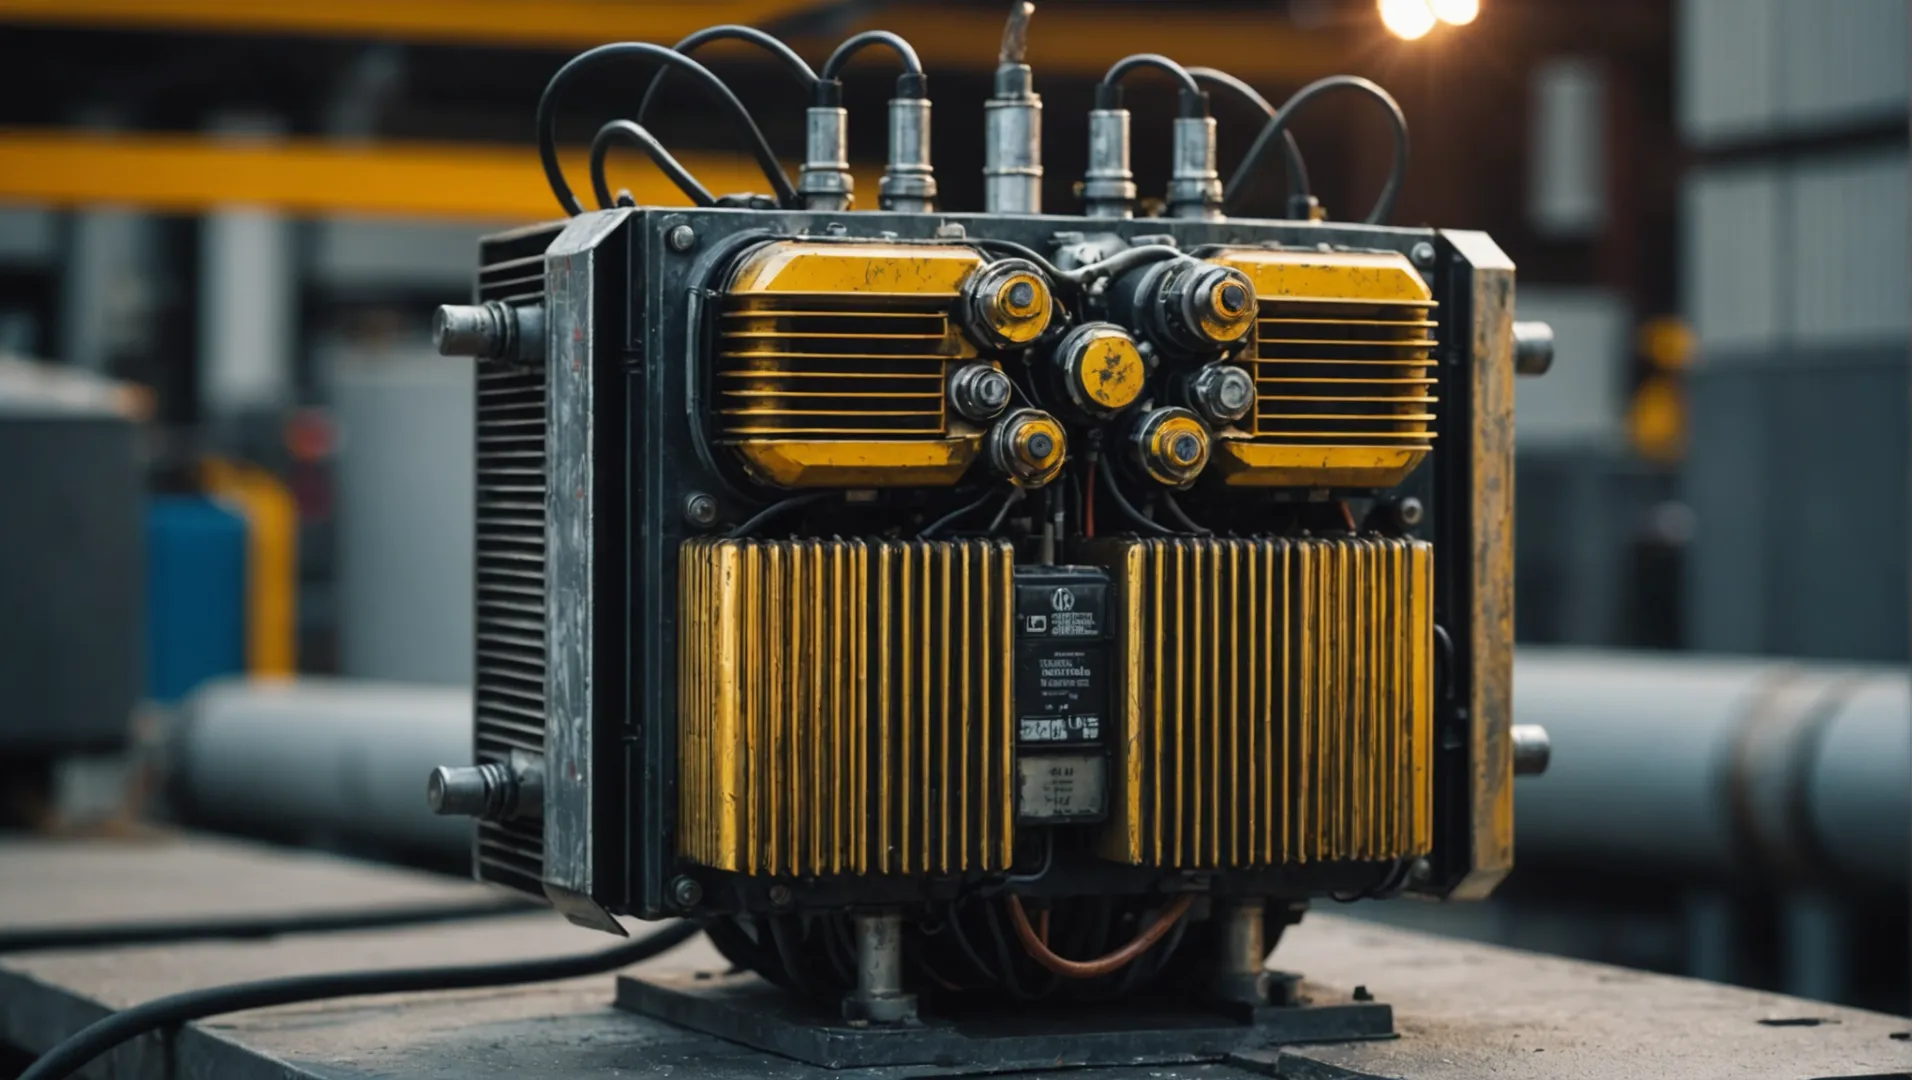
1275	701
845	706
508	700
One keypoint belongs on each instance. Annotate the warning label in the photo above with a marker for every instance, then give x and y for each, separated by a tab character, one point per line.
1062	655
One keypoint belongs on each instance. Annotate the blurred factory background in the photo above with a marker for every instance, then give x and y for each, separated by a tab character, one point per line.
229	451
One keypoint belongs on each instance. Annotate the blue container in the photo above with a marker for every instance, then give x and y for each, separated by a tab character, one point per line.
195	594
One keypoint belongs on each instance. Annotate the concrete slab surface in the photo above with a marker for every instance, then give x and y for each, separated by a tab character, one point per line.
1464	1010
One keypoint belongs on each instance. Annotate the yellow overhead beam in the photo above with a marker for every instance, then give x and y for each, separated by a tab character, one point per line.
1067	37
530	23
193	173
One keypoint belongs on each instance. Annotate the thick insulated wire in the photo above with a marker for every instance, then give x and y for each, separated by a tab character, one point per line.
1123	67
634	134
1397	172
905	52
732	32
1297	166
97	1038
575	67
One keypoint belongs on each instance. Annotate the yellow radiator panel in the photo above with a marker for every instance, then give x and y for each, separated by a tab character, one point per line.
844	706
1274	701
1345	374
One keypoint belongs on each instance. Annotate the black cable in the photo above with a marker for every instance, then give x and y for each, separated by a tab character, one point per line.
731	31
833	67
1023	251
774	509
1121	261
1397	172
252	928
962	511
102	1035
569	73
635	134
1181	517
1015	496
1121	69
1122	503
1297	166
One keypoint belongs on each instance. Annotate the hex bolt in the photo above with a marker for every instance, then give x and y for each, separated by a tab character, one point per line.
780	895
1041	446
1186	449
681	238
700	509
1022	294
1422	254
687	893
1411	512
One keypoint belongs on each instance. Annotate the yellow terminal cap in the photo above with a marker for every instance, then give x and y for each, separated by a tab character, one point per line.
1102	369
1008	304
1173	446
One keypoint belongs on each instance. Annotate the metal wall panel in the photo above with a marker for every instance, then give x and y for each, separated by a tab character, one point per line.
1841	62
368	253
1728	83
1582	400
1796	472
1734	260
1754	68
405	516
1849	277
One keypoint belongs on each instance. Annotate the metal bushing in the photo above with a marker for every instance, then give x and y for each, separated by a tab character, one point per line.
1007	304
1186	306
1222	393
1100	368
1171	446
979	392
1027	446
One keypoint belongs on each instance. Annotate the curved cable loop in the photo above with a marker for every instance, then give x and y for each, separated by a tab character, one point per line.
1123	67
1397	172
569	73
732	32
635	134
1296	165
905	52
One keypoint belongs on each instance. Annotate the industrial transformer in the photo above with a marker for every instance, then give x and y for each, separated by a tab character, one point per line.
943	605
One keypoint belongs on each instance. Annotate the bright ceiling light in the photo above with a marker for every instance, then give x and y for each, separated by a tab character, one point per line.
1456	12
1407	19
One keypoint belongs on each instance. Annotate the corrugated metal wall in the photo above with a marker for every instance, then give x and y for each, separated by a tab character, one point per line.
1797	273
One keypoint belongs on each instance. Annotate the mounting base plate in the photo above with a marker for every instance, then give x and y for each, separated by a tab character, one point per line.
745	1009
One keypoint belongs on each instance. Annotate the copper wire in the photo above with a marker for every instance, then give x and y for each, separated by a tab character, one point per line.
1103	965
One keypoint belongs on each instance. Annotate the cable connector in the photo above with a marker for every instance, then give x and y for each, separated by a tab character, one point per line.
909	181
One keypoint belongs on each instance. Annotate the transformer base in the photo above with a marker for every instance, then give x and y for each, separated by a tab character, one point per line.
745	1009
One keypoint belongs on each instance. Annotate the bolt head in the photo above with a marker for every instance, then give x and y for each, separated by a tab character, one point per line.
1233	298
1185	449
1041	446
780	895
1022	294
700	509
681	238
687	892
992	389
1422	254
1412	512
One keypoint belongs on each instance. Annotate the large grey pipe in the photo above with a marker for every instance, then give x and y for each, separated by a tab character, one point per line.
334	763
1716	767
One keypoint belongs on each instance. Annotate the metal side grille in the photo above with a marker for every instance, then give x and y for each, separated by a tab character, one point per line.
845	706
509	563
1275	700
1345	373
834	365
